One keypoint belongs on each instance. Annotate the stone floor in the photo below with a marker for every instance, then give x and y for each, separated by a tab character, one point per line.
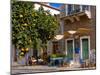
15	69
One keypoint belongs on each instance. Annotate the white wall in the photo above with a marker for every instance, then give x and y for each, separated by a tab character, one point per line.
52	11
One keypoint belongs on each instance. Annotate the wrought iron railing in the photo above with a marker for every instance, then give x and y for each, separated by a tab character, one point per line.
73	11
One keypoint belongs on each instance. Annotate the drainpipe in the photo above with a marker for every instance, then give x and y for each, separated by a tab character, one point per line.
62	26
62	32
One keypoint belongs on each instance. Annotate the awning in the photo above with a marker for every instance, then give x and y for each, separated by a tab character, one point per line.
79	31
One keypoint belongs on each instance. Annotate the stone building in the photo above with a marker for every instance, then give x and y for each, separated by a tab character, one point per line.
78	25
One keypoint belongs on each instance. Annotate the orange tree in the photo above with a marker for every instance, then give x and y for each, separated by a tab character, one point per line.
31	28
23	25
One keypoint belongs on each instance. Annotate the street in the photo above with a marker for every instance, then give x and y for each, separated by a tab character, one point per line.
41	69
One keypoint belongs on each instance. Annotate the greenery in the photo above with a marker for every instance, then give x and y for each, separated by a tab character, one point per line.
58	55
22	22
31	28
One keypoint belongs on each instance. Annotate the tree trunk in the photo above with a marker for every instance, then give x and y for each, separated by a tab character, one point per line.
35	54
15	56
45	54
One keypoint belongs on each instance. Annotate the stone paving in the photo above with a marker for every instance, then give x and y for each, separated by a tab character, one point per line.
41	68
30	69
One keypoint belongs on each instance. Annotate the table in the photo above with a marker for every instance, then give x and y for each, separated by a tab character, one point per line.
56	61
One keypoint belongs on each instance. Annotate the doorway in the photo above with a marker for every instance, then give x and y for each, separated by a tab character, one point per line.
85	47
69	44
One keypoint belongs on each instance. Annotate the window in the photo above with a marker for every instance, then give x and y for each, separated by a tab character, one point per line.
76	7
70	8
55	47
85	7
73	9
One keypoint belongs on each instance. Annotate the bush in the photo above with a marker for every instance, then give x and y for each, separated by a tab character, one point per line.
53	56
57	55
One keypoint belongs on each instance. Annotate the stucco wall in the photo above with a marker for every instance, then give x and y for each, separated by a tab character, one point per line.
84	22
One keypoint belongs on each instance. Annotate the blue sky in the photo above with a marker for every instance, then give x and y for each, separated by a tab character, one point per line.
56	5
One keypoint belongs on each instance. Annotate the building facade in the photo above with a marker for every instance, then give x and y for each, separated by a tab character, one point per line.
78	25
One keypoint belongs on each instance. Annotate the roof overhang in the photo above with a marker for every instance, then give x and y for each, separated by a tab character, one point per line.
76	16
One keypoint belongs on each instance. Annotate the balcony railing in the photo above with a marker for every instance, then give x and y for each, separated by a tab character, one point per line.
87	12
73	11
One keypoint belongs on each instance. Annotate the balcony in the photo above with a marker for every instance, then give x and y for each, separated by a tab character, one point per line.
77	11
73	11
76	14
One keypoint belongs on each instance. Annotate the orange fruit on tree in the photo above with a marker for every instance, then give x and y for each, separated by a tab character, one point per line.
27	49
22	49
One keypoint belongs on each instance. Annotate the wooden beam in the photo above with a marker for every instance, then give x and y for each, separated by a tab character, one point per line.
69	18
77	17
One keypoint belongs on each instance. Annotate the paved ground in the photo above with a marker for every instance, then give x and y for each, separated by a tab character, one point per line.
40	68
34	69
